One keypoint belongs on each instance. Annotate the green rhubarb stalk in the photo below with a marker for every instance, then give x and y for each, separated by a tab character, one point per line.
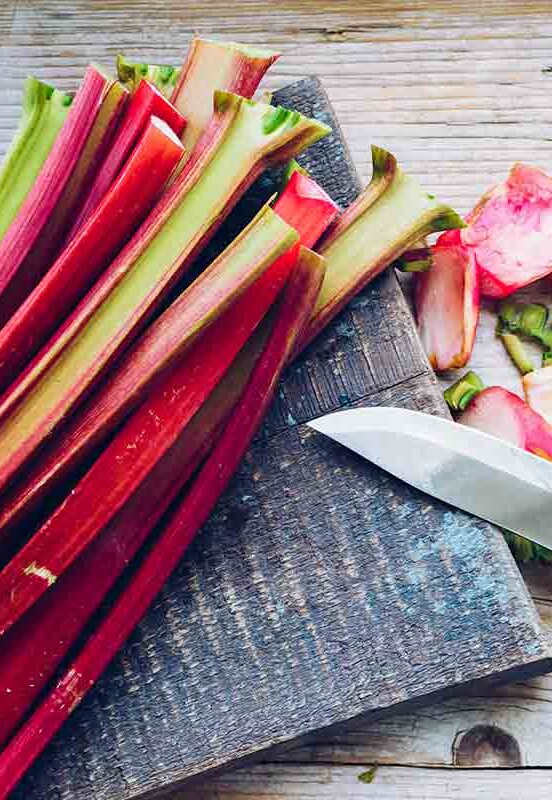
163	77
43	112
391	215
215	66
251	137
459	395
416	260
517	352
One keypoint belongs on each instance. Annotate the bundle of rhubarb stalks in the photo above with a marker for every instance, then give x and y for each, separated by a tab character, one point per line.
504	246
132	380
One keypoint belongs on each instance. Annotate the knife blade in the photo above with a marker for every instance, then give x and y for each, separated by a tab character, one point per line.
468	469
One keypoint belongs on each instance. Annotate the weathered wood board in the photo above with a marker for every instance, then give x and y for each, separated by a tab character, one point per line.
321	589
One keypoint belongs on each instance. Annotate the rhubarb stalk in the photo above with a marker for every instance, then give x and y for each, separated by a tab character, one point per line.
112	401
212	66
390	216
243	139
163	77
43	113
446	299
294	311
81	262
34	648
146	102
35	234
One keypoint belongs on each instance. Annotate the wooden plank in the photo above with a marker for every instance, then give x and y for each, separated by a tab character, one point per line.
389	783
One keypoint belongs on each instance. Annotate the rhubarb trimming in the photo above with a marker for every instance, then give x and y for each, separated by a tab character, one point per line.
189	516
80	263
36	232
459	395
243	139
43	113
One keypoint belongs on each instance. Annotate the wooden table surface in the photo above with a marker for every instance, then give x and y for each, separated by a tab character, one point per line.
458	91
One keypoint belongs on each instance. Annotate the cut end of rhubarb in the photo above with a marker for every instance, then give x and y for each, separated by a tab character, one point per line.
537	386
447	305
505	415
308	205
510	231
163	77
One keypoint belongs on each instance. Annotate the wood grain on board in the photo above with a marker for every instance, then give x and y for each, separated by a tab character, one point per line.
458	90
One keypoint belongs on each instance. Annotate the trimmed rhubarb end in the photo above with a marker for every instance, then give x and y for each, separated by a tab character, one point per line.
461	393
27	249
126	204
530	320
244	139
131	74
447	305
146	102
510	231
212	66
537	386
505	415
416	260
43	112
308	205
391	215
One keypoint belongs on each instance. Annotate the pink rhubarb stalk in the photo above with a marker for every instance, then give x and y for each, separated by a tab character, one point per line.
145	103
447	303
115	399
212	66
506	416
77	267
510	232
537	386
294	311
36	233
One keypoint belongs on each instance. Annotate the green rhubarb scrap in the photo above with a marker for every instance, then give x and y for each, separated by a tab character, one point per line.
530	320
245	147
461	393
162	76
524	550
43	113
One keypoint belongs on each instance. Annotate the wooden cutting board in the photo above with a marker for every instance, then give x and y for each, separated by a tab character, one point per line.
320	590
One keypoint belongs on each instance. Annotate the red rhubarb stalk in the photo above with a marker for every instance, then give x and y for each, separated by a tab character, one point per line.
293	313
243	140
77	267
33	649
447	303
510	232
120	469
212	66
114	399
146	102
505	415
35	234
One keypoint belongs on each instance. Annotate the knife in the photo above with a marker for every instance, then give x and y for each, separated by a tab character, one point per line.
462	466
